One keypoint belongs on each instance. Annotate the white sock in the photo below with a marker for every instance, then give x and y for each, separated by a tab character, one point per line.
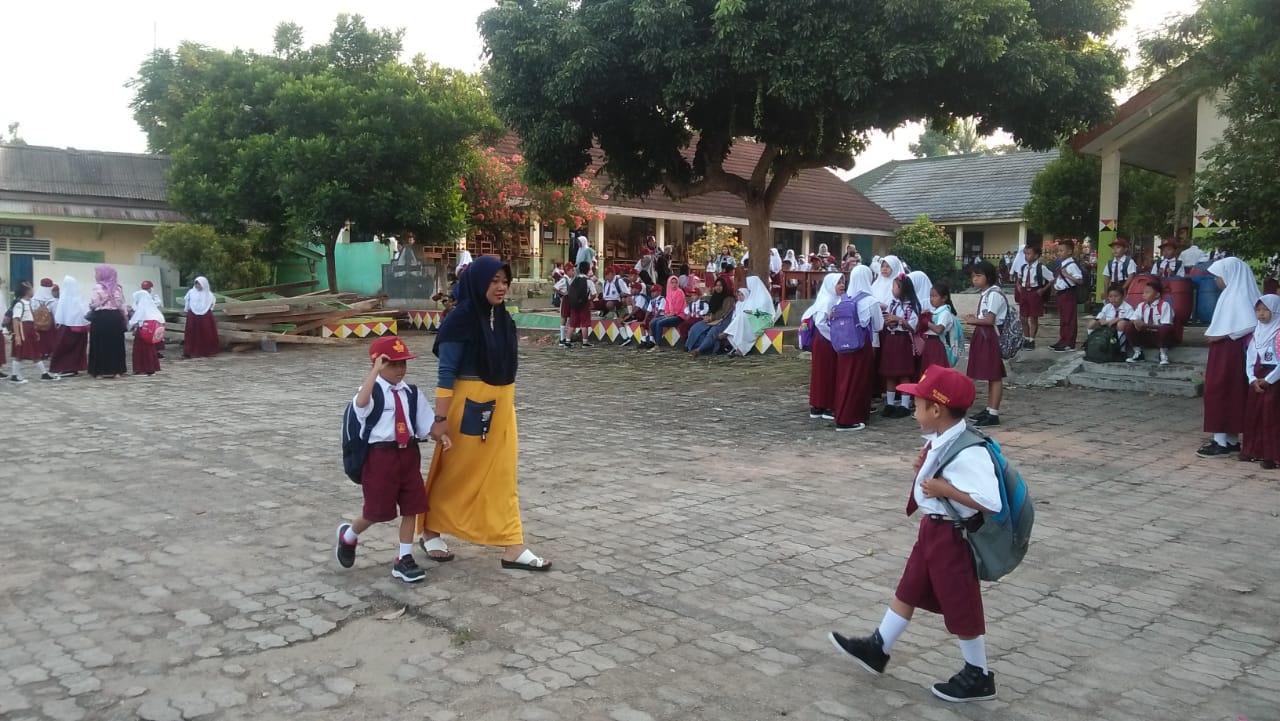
1225	439
40	367
891	628
564	332
891	397
1137	349
975	652
349	536
14	365
905	400
993	411
406	549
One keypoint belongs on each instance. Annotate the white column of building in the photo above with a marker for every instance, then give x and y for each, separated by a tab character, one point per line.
535	248
596	228
1022	237
961	252
660	232
806	242
1108	213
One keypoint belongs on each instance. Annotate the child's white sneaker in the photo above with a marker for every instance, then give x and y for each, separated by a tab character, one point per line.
1164	357
1136	357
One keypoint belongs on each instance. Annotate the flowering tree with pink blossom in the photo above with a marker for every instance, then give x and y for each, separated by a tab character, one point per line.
501	203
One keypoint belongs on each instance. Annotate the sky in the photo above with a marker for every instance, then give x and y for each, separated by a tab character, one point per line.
66	63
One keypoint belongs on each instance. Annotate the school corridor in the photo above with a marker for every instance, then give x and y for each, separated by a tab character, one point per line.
170	555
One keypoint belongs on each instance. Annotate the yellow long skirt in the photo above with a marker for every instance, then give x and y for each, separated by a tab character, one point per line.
471	488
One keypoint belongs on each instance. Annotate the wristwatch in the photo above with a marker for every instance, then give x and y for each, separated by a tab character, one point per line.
441	419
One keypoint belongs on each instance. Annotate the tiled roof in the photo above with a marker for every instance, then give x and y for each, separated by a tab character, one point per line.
70	173
814	197
956	187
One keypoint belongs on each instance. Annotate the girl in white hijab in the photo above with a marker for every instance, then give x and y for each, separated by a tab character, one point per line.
924	288
888	269
200	335
147	324
856	371
464	259
1225	388
1261	441
71	355
775	261
822	361
751	316
791	256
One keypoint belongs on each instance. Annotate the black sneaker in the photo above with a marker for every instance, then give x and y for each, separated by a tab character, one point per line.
1213	450
987	420
586	344
343	551
628	341
1029	344
815	412
979	416
971	684
866	652
890	411
47	377
1059	348
565	344
904	412
851	427
17	379
406	569
1233	448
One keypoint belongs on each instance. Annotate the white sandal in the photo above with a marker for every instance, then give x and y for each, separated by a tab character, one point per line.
436	544
528	561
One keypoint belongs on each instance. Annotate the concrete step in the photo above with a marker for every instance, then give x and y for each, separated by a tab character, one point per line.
1149	368
1150	385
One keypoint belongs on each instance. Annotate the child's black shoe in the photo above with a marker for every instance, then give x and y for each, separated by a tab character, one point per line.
866	652
971	684
406	569
344	552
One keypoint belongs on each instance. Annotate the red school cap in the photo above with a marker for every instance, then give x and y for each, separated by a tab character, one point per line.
46	282
1122	242
146	285
392	346
947	386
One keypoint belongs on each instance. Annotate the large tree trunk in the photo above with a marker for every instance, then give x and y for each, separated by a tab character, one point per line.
331	263
759	239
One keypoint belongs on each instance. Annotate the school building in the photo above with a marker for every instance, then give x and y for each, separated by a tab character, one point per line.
78	205
816	207
978	197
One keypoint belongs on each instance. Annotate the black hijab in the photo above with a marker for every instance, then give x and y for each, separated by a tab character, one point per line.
719	297
487	331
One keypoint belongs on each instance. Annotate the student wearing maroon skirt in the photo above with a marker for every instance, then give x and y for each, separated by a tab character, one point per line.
25	341
1031	287
856	370
940	575
985	362
1225	389
822	357
46	299
71	356
897	346
938	348
146	352
200	336
1261	440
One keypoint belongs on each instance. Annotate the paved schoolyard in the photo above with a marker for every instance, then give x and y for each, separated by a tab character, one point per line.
168	556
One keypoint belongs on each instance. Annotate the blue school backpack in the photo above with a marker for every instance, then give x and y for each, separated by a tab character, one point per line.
355	440
1000	544
848	335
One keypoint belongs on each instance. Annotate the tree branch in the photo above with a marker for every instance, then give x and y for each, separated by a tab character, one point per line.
761	172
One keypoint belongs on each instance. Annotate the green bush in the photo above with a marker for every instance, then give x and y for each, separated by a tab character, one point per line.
927	247
227	261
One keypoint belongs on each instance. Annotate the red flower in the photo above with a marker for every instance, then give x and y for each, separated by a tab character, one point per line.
556	195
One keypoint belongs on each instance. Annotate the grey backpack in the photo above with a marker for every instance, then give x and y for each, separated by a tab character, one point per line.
1001	542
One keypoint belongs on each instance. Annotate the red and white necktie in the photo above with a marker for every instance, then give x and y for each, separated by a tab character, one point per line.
402	423
912	506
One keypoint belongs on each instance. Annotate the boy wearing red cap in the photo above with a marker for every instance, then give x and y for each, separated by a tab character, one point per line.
1170	265
392	474
1121	268
940	575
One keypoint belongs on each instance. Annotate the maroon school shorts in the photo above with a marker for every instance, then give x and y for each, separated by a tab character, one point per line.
940	577
393	477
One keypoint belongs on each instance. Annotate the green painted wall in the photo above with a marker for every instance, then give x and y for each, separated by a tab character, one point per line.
360	267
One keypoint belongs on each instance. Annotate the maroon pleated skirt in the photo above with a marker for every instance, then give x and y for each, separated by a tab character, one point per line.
934	354
578	317
72	353
822	373
1030	304
855	381
1225	389
146	357
985	363
1261	438
49	341
30	348
200	337
897	355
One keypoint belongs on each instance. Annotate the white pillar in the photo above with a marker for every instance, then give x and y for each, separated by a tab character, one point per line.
1022	237
1209	127
960	249
806	242
1109	202
660	232
595	227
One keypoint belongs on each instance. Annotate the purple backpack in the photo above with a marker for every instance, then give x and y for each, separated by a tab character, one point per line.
848	335
806	334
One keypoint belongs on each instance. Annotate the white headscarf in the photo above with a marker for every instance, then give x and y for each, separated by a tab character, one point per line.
868	308
860	280
741	334
882	288
144	309
464	259
1234	316
1264	335
43	295
924	287
1019	261
199	298
72	306
791	256
826	299
775	261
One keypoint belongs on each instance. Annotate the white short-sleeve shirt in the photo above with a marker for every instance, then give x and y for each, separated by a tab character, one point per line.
1110	312
384	429
972	471
1158	313
993	301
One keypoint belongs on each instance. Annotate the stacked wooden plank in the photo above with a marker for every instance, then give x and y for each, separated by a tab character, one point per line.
271	317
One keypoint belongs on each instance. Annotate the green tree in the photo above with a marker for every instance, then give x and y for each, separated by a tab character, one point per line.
957	138
1231	48
1065	197
666	89
14	138
302	141
228	261
925	247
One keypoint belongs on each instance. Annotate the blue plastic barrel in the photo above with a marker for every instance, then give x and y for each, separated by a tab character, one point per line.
1206	297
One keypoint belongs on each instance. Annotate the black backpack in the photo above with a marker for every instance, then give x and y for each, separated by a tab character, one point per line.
1103	346
355	441
8	316
578	295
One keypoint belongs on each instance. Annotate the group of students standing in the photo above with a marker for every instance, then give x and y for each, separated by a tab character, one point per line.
873	333
63	334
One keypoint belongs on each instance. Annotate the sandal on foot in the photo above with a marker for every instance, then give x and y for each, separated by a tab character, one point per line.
432	546
527	561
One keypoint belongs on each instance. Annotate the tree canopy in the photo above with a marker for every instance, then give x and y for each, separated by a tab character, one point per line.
305	139
1066	194
1231	47
960	137
665	89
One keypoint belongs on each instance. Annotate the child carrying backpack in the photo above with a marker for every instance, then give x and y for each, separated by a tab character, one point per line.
856	322
26	339
971	528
